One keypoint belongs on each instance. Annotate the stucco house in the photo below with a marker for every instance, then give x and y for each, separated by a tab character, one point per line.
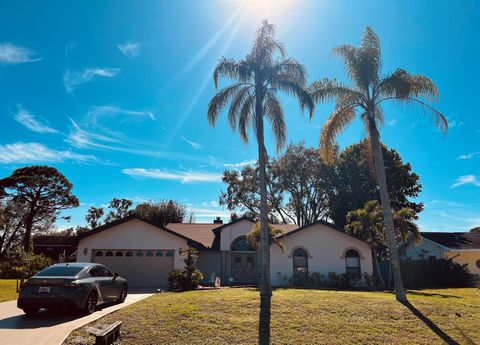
144	253
461	247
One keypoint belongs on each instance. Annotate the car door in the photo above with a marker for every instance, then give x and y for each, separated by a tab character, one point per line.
112	286
102	282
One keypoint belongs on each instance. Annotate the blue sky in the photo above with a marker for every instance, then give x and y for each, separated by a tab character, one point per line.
114	93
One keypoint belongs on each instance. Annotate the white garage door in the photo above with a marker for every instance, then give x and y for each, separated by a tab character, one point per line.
142	268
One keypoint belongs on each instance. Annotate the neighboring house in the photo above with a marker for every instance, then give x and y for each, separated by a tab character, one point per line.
57	248
461	247
144	253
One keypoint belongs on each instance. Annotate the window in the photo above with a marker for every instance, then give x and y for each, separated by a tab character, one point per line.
119	254
242	245
169	254
98	253
139	253
129	254
149	254
300	261
60	271
159	254
352	264
108	253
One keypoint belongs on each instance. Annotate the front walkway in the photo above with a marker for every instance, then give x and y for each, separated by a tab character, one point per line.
50	328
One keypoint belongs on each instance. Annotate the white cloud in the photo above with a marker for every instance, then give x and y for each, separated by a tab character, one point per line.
28	119
195	145
34	153
391	122
207	214
104	111
13	55
469	155
73	78
455	123
466	179
241	164
182	176
129	49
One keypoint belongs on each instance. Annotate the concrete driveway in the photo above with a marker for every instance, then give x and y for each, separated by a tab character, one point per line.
50	328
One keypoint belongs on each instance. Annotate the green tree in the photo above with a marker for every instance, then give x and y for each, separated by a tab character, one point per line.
367	224
253	236
366	95
120	208
475	229
353	182
94	214
253	96
162	212
43	191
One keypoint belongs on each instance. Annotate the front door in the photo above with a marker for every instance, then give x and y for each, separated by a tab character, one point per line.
244	268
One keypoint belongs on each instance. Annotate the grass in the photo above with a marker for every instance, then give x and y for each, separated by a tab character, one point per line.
229	316
8	290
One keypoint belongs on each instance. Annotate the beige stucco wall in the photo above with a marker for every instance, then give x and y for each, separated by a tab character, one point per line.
326	248
423	250
134	234
470	258
233	231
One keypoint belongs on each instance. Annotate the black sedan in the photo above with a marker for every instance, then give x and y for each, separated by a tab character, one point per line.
75	285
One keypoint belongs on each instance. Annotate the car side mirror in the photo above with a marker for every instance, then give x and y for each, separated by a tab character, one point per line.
115	275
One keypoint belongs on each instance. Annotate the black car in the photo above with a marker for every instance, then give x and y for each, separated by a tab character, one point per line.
73	285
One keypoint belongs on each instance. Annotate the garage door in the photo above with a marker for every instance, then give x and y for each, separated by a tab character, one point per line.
142	268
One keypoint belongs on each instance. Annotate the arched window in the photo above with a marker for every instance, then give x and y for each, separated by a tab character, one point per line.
242	245
300	261
139	253
109	253
149	254
352	264
159	254
169	254
119	254
98	253
129	254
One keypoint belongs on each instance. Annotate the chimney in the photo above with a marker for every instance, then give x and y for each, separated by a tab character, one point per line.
218	220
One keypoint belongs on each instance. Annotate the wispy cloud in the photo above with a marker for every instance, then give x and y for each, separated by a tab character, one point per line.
469	155
104	111
455	124
182	176
12	54
241	164
391	122
129	49
73	78
35	153
195	145
466	179
29	120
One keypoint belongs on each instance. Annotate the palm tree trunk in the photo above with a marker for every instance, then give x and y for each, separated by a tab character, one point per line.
265	287
387	210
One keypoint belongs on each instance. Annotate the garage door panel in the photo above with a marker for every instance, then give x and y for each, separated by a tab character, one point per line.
139	269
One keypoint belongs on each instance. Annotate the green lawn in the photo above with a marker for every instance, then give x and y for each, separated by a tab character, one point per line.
229	316
8	290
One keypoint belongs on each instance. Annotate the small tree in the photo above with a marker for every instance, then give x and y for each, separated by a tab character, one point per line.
253	236
162	212
120	208
94	214
189	277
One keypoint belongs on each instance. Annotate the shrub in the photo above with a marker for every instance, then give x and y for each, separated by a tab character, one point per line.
452	274
18	266
179	280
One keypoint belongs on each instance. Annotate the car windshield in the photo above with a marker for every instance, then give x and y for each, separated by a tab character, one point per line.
60	271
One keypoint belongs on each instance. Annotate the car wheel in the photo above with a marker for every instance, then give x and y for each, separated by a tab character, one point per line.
30	311
91	303
123	294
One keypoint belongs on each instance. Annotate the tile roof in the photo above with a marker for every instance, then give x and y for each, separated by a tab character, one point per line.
455	240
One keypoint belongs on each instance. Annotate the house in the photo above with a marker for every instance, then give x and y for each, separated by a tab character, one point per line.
58	248
144	253
461	247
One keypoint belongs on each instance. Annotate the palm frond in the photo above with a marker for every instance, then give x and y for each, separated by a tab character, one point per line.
401	84
291	87
289	67
220	100
329	89
274	113
225	68
237	105
246	118
334	125
370	57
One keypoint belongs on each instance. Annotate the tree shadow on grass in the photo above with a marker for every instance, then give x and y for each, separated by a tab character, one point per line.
431	294
430	324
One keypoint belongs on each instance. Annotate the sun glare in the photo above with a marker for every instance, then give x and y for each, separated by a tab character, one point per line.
274	10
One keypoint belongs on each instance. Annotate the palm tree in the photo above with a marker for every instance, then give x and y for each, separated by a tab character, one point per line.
367	224
253	96
253	236
365	97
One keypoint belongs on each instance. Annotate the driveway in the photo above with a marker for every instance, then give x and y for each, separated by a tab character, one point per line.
49	328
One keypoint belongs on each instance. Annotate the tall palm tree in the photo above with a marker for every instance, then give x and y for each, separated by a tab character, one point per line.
253	96
365	97
367	223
